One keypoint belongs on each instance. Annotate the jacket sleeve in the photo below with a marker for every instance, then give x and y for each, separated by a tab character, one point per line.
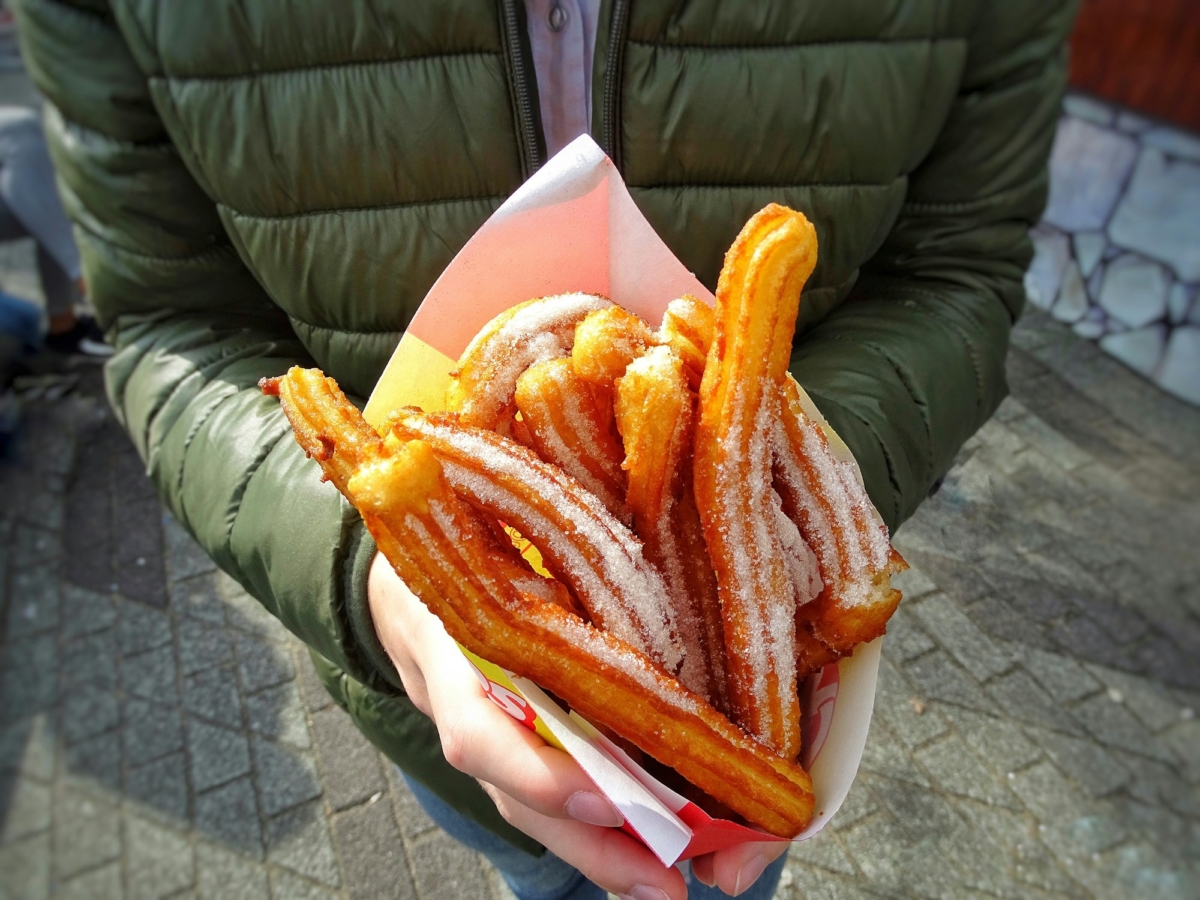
913	362
194	333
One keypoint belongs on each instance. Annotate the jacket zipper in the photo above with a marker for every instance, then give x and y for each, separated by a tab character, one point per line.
609	136
526	121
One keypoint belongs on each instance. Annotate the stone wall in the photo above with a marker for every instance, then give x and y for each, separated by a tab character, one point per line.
1118	251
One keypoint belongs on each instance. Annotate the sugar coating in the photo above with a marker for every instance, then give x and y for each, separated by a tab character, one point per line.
802	563
581	422
769	617
688	620
541	330
850	544
618	583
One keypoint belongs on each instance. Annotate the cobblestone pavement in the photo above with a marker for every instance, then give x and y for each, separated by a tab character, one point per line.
1035	731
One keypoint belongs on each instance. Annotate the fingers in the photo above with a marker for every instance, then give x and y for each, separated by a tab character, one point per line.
477	737
606	856
735	869
480	739
399	618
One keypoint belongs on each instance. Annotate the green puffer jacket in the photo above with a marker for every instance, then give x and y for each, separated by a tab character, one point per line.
263	183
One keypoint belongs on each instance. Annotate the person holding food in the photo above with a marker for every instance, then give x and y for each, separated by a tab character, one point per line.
259	185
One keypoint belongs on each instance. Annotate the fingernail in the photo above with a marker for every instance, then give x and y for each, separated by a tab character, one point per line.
748	874
590	807
645	892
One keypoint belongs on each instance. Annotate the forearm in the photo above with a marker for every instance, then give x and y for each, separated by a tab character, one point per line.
224	461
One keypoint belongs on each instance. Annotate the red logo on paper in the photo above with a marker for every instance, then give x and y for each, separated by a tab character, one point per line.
508	700
818	703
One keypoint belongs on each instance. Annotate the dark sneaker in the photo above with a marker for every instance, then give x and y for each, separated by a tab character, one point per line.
84	338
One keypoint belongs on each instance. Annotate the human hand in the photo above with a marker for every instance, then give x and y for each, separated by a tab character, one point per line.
735	869
537	788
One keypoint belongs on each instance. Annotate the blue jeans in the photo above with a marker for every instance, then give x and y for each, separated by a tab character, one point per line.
549	878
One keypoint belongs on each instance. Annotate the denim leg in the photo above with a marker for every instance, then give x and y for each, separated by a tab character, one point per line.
529	877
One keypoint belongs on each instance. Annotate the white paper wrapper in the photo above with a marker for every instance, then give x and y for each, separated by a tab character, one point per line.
574	227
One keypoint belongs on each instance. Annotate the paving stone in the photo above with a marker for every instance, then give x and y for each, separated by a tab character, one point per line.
199	597
921	813
372	853
350	768
1090	766
285	776
1047	794
1179	302
99	884
1089	250
1172	833
311	688
858	805
34	547
159	861
246	614
160	789
905	639
1051	255
151	675
802	882
184	557
202	646
1184	739
151	731
28	746
956	633
84	612
229	815
286	886
87	832
1061	676
1149	702
278	713
1022	698
87	712
893	702
261	664
1142	349
89	661
996	741
414	821
94	764
299	840
1113	725
1180	372
958	771
1072	304
1156	215
26	868
863	841
442	866
1080	636
141	628
34	602
218	754
998	619
913	583
212	694
221	875
1088	167
27	680
821	850
884	755
26	808
939	677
